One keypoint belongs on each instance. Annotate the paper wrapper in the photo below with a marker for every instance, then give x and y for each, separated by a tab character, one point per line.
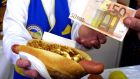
36	64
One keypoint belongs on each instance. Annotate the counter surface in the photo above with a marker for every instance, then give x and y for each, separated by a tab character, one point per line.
132	72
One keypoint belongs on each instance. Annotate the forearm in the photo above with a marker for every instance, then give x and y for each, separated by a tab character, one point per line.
14	27
8	42
13	34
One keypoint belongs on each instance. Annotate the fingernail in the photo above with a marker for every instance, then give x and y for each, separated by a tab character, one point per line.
82	40
25	63
92	42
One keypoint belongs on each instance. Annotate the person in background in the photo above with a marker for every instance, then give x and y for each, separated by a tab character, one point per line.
28	19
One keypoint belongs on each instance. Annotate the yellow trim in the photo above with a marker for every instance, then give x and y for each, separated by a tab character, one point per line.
19	70
67	30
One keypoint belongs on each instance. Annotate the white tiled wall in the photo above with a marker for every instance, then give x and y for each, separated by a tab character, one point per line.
109	53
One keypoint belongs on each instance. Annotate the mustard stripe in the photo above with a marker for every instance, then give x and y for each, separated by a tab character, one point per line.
19	70
67	30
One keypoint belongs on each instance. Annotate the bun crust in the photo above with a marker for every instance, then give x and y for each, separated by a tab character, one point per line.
61	61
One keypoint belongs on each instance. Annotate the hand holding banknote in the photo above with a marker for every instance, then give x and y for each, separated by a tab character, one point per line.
134	22
90	38
104	16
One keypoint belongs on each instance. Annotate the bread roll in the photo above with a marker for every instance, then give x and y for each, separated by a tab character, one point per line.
61	61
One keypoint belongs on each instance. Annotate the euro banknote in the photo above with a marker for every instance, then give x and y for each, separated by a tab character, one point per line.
104	16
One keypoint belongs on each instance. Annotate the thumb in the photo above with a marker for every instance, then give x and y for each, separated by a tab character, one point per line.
132	23
23	63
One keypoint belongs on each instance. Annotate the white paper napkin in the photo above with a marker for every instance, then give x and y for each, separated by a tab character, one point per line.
36	64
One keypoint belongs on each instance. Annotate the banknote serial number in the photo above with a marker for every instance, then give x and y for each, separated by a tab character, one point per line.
75	16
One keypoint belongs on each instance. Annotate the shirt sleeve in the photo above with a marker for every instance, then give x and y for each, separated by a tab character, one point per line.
75	25
14	27
75	30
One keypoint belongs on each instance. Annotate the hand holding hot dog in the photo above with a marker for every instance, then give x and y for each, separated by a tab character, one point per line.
24	64
68	62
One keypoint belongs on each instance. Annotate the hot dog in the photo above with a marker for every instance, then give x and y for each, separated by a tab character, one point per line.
92	67
61	61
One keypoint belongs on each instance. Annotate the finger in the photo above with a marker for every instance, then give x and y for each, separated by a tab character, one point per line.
132	23
137	15
86	44
92	67
23	63
31	73
95	43
14	48
102	38
78	40
89	44
83	43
